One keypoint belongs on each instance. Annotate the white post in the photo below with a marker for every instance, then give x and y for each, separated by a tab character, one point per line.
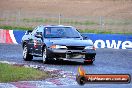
59	19
101	23
18	16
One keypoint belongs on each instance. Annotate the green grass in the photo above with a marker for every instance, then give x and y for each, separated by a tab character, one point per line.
114	26
10	73
102	31
97	31
63	21
34	20
15	27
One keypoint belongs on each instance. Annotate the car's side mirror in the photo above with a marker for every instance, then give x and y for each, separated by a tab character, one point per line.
38	35
84	37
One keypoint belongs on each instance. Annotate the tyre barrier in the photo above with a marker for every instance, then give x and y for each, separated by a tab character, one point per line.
115	41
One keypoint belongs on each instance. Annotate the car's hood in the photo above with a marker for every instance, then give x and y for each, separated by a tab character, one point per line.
70	42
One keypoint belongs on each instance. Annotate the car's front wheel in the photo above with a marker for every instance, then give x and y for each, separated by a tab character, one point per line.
26	55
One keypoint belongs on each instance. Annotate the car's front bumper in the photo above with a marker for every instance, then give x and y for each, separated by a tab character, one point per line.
71	54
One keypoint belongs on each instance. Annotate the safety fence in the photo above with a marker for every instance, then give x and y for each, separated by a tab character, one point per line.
116	41
92	23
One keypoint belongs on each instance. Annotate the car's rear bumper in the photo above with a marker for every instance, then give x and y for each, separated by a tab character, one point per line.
68	54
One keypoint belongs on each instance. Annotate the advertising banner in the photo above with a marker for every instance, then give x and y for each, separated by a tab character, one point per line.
115	41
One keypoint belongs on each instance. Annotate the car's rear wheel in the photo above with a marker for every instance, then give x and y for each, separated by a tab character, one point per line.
45	58
26	55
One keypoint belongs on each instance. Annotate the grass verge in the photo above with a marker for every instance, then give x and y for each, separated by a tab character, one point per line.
63	21
102	31
10	73
80	30
15	27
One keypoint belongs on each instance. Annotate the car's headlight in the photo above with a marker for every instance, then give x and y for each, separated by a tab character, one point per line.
58	47
90	47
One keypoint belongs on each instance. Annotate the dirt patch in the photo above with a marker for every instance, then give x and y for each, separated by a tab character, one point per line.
111	8
117	13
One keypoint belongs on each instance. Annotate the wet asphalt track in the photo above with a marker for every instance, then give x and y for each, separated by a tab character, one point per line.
107	61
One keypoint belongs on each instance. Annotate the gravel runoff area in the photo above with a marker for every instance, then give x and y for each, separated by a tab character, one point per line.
107	61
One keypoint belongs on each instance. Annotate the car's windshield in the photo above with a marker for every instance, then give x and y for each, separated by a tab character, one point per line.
61	32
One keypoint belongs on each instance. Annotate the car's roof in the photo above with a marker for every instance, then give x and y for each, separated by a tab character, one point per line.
54	26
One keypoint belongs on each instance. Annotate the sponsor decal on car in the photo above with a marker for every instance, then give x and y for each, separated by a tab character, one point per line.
35	44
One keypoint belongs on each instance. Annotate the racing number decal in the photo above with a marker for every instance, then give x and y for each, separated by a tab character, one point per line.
35	44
